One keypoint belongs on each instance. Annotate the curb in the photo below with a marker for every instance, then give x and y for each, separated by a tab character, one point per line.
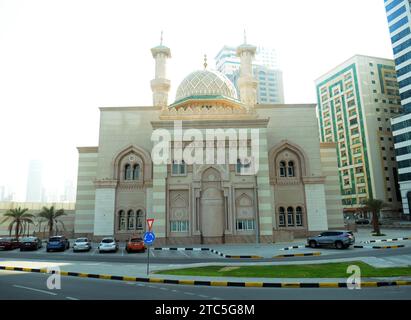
294	247
182	249
234	257
386	240
217	283
380	247
211	250
298	255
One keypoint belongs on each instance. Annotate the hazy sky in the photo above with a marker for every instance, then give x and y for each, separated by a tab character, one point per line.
62	60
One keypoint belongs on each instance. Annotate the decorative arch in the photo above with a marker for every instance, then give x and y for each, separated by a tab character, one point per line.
244	200
199	171
302	166
143	160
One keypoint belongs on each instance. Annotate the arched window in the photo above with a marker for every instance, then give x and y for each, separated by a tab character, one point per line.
299	216
128	174
282	169
281	217
290	216
290	168
131	219
140	220
121	220
136	172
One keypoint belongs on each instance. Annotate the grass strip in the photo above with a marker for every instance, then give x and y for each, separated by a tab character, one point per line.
323	270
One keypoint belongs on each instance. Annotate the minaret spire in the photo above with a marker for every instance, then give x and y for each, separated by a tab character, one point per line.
205	61
245	37
160	85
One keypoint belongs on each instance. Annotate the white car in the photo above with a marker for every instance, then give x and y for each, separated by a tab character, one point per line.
81	244
108	245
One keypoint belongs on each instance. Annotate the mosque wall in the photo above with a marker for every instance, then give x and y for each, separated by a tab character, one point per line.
85	196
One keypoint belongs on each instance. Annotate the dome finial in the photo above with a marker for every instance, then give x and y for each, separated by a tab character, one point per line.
245	37
205	61
161	38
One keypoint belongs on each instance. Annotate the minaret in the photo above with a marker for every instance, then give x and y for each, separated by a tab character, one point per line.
160	85
246	82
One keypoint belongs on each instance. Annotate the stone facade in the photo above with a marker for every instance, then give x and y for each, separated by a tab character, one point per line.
280	194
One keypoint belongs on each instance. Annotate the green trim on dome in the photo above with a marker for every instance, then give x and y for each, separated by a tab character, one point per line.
205	97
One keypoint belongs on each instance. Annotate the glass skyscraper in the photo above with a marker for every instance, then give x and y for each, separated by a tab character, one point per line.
399	24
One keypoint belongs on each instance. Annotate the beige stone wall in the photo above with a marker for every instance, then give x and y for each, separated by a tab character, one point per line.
297	124
34	208
123	127
87	169
332	186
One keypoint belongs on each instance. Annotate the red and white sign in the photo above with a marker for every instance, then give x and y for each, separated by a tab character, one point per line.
150	223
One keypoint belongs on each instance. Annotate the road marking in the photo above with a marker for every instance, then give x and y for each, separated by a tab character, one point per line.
33	289
94	252
165	289
122	252
152	253
174	290
71	298
202	296
189	293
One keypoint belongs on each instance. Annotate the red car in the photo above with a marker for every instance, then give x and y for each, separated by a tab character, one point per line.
135	245
9	243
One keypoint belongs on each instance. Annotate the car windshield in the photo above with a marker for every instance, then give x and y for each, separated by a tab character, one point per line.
136	240
107	240
55	239
5	239
28	239
82	240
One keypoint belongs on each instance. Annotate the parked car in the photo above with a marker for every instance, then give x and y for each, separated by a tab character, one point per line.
135	245
81	244
362	221
30	243
59	243
337	239
108	245
9	243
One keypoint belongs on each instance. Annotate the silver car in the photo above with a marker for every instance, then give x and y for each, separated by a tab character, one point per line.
108	245
337	239
81	244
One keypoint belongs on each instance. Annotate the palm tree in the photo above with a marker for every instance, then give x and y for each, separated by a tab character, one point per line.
51	216
375	206
19	220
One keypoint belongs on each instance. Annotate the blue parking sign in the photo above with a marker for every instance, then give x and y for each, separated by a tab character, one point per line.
149	237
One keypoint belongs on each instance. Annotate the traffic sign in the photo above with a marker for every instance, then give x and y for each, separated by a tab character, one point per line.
149	237
150	223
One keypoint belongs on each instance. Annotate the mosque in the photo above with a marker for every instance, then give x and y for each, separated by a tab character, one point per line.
287	186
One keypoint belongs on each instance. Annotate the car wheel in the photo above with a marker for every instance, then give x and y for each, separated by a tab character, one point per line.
313	244
339	245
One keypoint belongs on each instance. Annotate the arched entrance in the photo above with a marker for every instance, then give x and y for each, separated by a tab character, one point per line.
211	207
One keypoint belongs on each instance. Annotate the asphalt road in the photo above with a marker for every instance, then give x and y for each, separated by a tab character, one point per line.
32	286
173	257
